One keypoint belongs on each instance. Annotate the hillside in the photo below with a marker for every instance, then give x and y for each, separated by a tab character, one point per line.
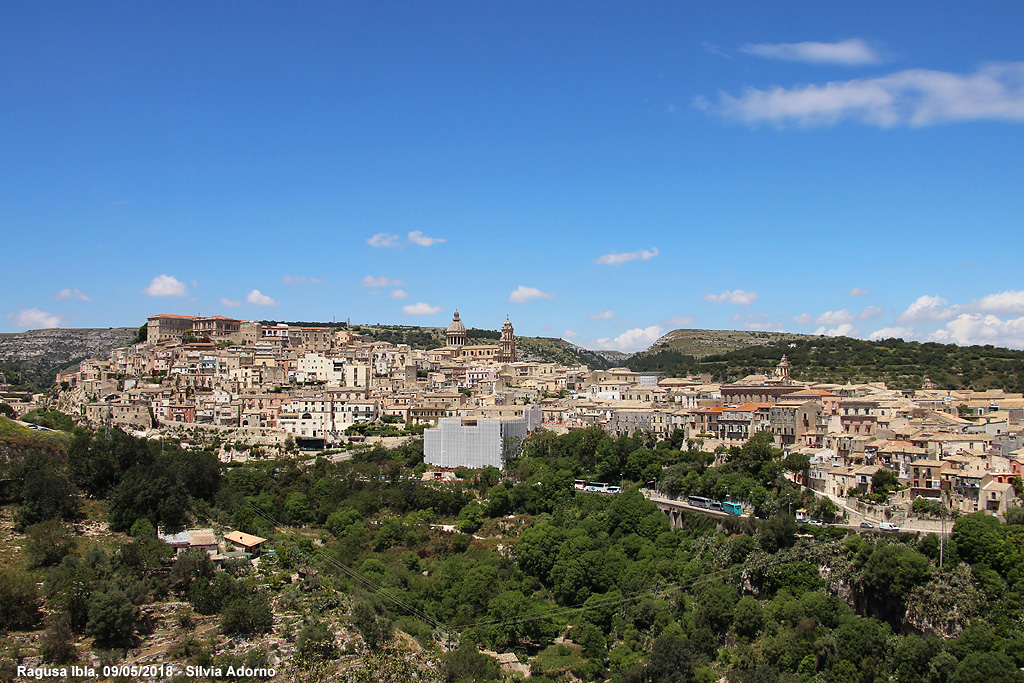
703	343
544	349
900	364
30	360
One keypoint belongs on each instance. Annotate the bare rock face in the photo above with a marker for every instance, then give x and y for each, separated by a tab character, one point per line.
39	354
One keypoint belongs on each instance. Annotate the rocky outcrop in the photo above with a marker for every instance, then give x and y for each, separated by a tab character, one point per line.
38	355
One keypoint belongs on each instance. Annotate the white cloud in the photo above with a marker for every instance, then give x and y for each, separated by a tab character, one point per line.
925	309
844	330
260	299
399	294
383	239
421	309
803	319
66	294
678	321
758	321
858	291
615	259
229	303
975	328
417	237
166	285
890	332
915	97
603	315
852	52
1011	301
34	319
371	281
735	296
570	334
523	294
300	279
870	313
631	340
839	317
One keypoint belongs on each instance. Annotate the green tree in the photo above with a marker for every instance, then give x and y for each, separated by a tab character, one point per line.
248	614
884	481
372	623
48	543
57	644
19	601
111	616
46	492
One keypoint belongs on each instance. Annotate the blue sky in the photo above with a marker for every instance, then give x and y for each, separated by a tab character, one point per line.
603	172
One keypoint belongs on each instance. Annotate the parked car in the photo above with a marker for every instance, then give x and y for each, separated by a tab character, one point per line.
817	522
888	526
867	525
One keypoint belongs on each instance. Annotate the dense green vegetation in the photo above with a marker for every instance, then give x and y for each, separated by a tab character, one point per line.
901	364
533	560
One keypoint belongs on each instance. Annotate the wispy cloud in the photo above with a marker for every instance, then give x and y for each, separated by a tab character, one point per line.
383	239
803	319
870	313
34	319
570	334
844	330
735	296
1011	301
421	309
976	328
383	281
758	321
615	258
65	294
417	237
229	303
166	285
930	309
523	294
260	299
858	291
301	279
399	294
835	317
630	340
890	332
711	48
925	309
852	52
915	97
678	321
603	315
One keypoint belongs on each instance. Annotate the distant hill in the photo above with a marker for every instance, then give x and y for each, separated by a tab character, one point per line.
31	360
702	343
900	364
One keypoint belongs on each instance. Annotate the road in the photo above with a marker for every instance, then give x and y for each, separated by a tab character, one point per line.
677	504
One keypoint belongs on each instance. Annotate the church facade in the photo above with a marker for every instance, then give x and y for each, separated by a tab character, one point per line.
457	348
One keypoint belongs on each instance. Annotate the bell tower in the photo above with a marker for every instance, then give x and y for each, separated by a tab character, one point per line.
507	350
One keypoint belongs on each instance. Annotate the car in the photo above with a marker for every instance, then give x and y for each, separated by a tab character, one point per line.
888	526
816	522
867	525
801	521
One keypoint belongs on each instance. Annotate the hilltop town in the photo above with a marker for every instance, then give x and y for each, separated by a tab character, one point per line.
249	387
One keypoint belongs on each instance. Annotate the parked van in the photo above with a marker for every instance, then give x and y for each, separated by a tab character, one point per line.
888	526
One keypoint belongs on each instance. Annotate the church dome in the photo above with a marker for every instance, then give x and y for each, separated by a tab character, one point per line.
456	325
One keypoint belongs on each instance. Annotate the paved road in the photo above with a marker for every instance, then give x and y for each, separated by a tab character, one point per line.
683	505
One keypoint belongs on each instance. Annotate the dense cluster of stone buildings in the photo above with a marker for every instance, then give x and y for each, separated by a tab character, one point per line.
261	384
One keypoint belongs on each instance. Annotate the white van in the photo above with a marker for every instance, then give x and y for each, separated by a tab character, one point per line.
888	526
